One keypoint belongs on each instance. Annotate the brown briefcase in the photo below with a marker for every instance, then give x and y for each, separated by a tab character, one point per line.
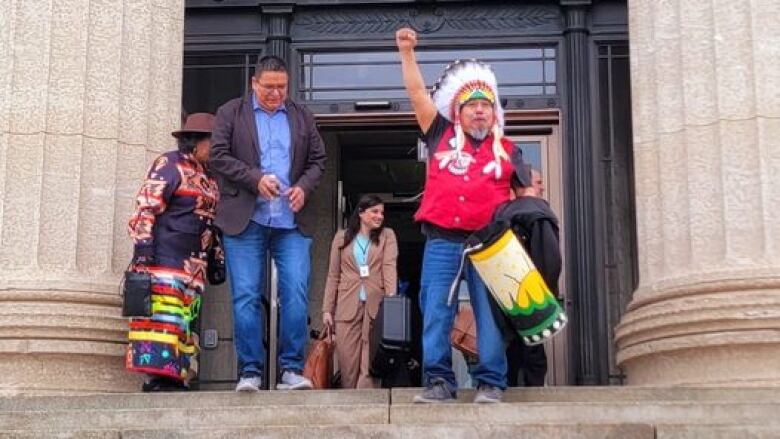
464	331
319	362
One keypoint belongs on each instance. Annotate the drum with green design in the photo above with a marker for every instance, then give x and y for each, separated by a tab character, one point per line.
518	287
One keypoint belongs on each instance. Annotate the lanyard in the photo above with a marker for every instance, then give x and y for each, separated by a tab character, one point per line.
363	249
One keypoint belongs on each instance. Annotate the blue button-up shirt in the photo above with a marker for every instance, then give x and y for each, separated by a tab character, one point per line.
273	133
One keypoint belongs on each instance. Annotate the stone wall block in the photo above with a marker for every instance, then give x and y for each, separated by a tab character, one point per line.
68	58
131	168
103	76
642	86
176	64
698	63
21	205
135	72
742	196
767	75
769	145
673	198
3	153
707	226
668	82
649	214
59	208
31	60
96	206
765	14
7	15
766	48
175	60
161	80
734	55
173	7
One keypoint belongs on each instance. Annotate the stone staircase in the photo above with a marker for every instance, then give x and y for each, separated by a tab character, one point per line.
542	413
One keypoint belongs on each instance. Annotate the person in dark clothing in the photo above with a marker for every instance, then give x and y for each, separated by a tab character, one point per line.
536	226
172	232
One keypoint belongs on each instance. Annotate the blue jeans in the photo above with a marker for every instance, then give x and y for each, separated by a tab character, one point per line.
245	256
440	266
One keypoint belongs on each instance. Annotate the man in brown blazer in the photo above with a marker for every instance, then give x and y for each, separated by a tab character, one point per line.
268	158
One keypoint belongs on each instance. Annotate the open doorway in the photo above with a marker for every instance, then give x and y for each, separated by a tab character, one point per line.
377	153
382	160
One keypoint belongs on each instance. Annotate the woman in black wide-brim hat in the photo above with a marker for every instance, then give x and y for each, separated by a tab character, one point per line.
172	233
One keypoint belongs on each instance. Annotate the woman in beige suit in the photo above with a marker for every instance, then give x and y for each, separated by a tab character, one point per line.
362	270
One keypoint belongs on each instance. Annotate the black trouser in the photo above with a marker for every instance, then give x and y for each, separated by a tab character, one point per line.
532	360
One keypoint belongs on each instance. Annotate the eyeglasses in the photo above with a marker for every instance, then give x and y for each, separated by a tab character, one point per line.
269	89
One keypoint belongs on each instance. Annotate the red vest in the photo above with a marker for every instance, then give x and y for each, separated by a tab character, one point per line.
461	196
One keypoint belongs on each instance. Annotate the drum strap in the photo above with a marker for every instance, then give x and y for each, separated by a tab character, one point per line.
456	281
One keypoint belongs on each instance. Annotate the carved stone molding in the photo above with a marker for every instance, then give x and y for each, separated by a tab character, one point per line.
500	18
425	20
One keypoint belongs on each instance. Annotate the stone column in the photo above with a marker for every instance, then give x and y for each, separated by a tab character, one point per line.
89	92
706	107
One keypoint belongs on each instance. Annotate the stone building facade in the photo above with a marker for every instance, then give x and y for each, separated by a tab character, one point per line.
91	89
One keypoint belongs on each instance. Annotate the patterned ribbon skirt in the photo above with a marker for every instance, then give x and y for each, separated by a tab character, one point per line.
164	344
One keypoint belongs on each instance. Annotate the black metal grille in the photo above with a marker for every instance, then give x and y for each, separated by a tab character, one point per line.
527	71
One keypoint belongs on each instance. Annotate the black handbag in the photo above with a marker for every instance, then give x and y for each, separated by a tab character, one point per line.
137	294
215	268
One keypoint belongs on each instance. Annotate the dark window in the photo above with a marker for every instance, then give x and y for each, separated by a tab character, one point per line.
211	80
377	75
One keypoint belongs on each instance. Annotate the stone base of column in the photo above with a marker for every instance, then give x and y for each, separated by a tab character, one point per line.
752	365
55	342
723	333
64	374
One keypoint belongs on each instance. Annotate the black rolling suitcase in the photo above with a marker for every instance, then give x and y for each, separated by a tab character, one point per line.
391	336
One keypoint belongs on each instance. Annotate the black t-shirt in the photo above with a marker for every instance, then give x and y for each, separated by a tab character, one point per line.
432	137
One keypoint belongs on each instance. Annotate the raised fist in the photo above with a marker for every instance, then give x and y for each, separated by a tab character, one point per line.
405	39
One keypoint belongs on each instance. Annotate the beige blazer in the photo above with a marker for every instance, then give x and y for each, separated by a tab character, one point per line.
342	288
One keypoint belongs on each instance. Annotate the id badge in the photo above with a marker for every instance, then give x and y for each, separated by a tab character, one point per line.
364	271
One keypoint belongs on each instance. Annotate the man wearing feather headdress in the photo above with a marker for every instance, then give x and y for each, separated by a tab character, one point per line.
470	164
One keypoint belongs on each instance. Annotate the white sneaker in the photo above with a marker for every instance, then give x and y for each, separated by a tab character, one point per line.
249	384
294	381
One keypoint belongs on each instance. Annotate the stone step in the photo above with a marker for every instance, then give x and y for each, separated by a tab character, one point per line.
577	412
462	431
195	418
454	431
588	405
187	400
684	413
614	394
378	396
711	413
